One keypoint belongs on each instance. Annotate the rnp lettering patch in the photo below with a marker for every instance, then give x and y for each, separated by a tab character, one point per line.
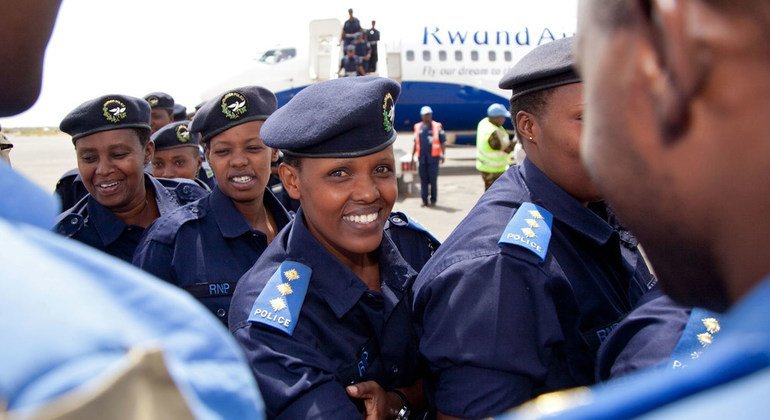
280	302
530	228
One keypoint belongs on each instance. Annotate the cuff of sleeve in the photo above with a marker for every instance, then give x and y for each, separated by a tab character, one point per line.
472	392
326	401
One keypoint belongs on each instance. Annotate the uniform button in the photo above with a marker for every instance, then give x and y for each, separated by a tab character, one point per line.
369	295
194	209
186	189
397	219
221	312
394	369
74	221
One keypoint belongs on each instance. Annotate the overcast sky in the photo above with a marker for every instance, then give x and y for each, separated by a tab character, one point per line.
183	47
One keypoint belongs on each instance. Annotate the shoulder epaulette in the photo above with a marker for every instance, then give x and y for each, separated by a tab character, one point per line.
402	220
529	228
279	304
698	334
186	190
167	227
71	221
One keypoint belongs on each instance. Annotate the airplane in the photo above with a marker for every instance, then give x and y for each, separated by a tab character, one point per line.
453	68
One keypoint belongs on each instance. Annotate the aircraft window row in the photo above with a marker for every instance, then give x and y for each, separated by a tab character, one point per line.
458	55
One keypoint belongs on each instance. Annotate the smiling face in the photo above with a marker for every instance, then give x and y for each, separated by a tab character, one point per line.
111	164
346	201
176	162
241	162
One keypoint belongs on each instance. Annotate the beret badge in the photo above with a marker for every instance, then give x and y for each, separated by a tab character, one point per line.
233	105
183	133
153	101
114	110
388	110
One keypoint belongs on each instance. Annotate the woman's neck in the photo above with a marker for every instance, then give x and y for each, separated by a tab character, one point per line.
258	217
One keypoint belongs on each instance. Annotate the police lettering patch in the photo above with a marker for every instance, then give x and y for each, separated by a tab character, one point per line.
114	110
182	133
530	228
388	112
280	302
233	105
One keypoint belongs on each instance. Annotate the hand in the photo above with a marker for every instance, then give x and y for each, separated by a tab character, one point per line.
441	159
378	403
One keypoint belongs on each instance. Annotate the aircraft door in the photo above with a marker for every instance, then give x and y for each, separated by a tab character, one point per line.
324	52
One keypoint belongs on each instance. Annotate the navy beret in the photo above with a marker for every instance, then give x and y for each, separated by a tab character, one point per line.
347	117
109	112
232	108
159	100
180	112
176	134
545	67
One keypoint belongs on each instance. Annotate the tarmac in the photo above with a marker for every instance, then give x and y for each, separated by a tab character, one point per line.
44	159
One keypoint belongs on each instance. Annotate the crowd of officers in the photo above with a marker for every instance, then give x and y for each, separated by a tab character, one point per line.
376	288
342	307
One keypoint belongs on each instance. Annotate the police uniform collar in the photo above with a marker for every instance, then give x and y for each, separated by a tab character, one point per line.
563	206
336	283
231	222
109	227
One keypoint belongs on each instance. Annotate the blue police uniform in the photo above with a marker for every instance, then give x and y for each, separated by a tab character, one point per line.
351	64
647	337
93	224
344	332
205	247
309	325
350	28
72	316
501	323
70	188
731	379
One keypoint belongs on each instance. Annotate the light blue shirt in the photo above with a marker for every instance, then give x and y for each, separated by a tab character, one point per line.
69	314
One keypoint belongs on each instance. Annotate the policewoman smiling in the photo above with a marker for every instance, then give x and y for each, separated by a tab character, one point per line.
111	137
206	246
323	314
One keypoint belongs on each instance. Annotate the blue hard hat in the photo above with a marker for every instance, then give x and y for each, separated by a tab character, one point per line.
497	110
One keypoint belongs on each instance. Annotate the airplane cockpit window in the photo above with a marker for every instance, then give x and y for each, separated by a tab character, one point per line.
278	55
508	56
474	56
458	55
442	55
426	55
492	56
410	55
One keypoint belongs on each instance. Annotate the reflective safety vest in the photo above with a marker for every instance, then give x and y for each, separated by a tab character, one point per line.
487	158
435	144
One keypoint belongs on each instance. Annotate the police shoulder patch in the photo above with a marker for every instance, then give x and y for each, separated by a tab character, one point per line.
279	304
529	228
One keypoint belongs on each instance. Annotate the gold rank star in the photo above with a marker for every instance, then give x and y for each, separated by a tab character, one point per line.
536	214
532	223
278	304
711	324
291	274
285	289
528	232
705	339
